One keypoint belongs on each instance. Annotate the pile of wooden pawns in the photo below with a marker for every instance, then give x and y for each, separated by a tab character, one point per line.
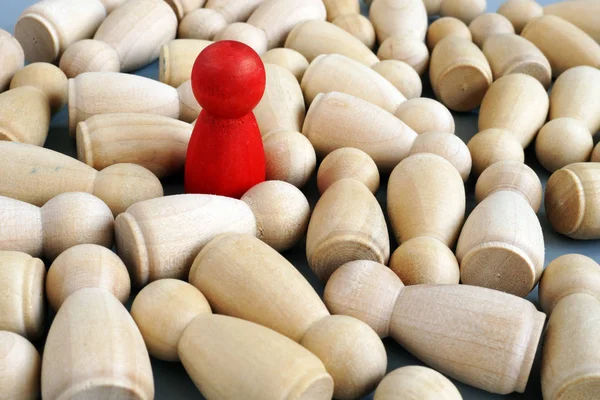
327	94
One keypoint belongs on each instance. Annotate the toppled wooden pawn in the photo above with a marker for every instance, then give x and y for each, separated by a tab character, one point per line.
162	310
336	120
289	59
159	238
248	34
348	162
13	58
402	76
20	365
201	24
290	157
570	293
184	7
23	304
493	353
347	224
358	26
398	18
152	21
155	142
446	26
448	146
487	25
64	221
86	266
572	201
337	8
408	49
35	175
582	13
47	78
460	74
416	383
107	356
424	115
520	12
177	58
282	213
465	10
341	343
25	116
561	142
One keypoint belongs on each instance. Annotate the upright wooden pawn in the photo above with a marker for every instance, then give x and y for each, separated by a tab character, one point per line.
20	365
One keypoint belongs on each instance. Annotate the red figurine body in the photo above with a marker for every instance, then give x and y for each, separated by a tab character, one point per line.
225	154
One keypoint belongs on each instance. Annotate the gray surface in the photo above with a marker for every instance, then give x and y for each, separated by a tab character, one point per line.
172	382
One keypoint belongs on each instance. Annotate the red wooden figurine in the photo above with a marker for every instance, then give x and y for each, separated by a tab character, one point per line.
225	155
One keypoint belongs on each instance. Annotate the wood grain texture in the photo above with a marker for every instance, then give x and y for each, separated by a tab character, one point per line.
520	12
336	120
347	224
398	18
89	55
289	59
221	354
155	142
564	44
448	146
358	26
402	76
408	49
337	73
290	157
177	58
424	115
95	350
584	14
201	24
561	142
20	365
86	266
501	245
25	116
416	383
487	25
493	352
426	197
13	58
22	297
348	162
494	145
47	78
159	239
513	54
446	26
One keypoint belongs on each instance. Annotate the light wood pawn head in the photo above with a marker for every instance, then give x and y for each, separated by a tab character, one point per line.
203	23
408	49
25	116
402	76
46	77
425	115
416	383
248	34
348	162
446	26
358	26
20	365
290	157
13	58
289	59
520	12
487	25
561	142
465	10
448	146
494	145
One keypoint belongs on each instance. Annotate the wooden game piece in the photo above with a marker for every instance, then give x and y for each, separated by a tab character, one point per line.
582	13
201	24
290	157
282	213
47	231
465	10
425	115
572	203
561	142
513	176
336	120
86	266
575	95
459	72
35	175
490	146
448	146
488	25
348	162
221	356
109	92
89	55
347	224
177	59
184	7
159	238
225	154
338	8
425	260
501	245
446	26
282	105
285	302
47	78
416	383
313	38
337	73
23	301
402	76
358	26
25	116
510	54
20	365
13	58
278	18
409	49
155	142
289	59
419	315
399	18
595	154
162	310
248	34
515	102
107	356
234	10
564	44
46	28
426	176
520	12
569	289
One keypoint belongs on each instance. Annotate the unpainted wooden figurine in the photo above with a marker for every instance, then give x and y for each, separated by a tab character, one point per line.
290	157
399	18
46	77
408	49
582	13
487	25
289	59
348	162
20	366
465	10
448	146
446	26
424	115
177	58
520	12
13	58
402	76
416	383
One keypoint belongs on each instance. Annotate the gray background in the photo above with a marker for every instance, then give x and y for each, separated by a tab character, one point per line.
171	379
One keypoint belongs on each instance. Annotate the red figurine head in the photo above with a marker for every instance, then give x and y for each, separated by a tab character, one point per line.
228	79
